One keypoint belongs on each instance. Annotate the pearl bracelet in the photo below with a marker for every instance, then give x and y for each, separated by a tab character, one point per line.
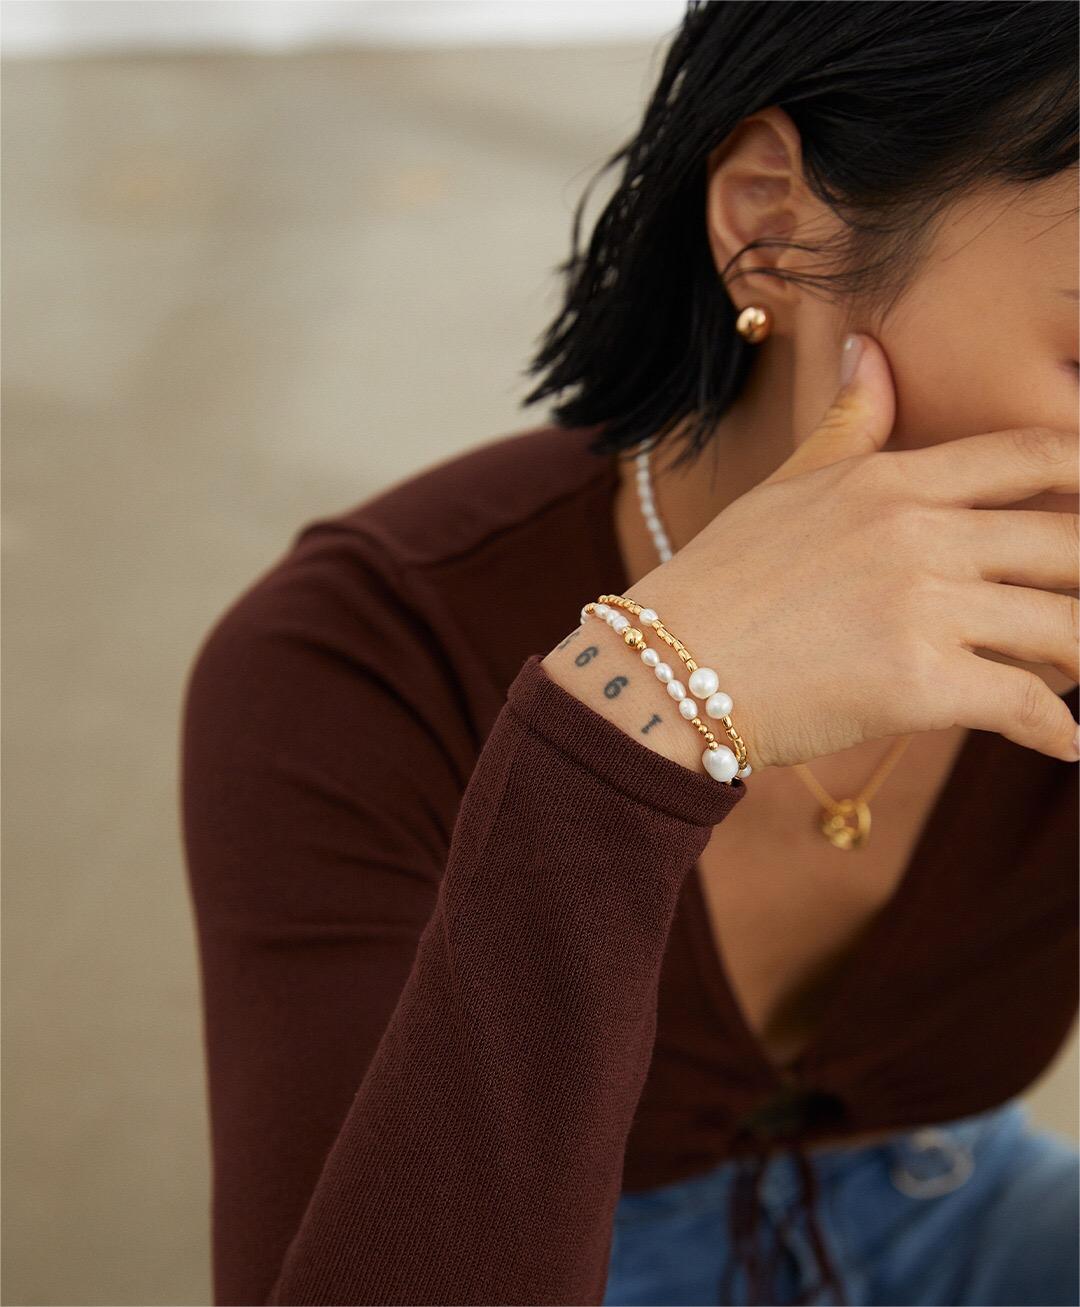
721	763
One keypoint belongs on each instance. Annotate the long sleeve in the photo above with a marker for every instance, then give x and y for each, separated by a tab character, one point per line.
429	991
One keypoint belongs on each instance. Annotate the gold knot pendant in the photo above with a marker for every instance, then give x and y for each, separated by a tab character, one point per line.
846	824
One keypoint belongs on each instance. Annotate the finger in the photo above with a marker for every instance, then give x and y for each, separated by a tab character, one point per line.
992	468
1015	702
1034	548
1033	626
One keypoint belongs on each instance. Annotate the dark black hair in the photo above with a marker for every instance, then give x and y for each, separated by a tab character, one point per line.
902	107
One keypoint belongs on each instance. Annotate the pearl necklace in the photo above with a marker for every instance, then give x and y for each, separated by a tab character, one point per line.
845	823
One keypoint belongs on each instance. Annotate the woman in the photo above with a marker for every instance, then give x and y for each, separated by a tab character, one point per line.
505	1002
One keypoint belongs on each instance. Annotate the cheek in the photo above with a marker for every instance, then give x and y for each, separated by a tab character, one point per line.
940	398
946	390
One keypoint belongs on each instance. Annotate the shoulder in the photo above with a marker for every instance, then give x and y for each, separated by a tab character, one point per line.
457	505
346	607
353	573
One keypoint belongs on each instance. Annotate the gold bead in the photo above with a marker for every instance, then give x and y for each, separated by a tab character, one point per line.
631	635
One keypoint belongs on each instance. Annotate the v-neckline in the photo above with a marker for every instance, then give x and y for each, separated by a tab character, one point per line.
882	929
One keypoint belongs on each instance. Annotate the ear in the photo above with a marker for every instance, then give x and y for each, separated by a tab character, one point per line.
754	188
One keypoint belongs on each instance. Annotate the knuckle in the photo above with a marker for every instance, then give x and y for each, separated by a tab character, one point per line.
835	417
1070	530
877	470
909	525
925	598
922	684
1070	613
1037	447
1058	619
1030	705
874	490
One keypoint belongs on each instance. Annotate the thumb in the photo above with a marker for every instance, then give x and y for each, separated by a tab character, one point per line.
860	418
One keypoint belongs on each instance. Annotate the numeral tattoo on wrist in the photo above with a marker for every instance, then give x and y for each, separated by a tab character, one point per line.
566	640
649	724
587	655
614	687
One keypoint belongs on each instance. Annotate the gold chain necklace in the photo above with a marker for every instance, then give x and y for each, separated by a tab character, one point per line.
845	823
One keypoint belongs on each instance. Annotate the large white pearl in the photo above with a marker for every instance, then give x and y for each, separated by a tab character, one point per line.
704	682
650	657
676	689
664	672
688	708
721	763
647	615
620	623
719	704
601	610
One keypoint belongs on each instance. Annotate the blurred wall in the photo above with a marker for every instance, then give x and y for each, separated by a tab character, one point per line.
240	292
76	26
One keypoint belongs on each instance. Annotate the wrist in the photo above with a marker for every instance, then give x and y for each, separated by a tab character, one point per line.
595	665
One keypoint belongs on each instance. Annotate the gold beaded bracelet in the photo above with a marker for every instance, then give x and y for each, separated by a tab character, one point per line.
719	767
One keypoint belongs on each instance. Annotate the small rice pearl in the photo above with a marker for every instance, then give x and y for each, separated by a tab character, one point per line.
720	763
688	708
744	771
601	610
650	657
664	673
676	689
647	615
704	682
620	623
719	704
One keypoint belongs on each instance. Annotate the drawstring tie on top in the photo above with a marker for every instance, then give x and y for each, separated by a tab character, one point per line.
748	1214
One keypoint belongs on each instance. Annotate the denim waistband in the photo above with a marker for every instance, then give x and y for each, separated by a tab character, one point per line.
922	1161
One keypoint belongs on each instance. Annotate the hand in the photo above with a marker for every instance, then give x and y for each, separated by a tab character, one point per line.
842	599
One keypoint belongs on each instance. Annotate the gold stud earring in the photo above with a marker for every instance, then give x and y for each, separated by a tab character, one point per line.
754	323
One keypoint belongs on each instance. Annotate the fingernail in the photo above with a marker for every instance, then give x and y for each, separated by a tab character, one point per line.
849	357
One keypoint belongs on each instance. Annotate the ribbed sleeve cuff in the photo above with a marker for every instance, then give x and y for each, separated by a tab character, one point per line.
600	747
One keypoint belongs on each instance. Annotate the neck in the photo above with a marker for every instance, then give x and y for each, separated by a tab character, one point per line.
751	440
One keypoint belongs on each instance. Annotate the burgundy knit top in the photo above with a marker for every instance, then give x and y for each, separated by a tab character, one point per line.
460	988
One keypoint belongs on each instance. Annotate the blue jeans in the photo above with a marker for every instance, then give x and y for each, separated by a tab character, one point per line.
982	1210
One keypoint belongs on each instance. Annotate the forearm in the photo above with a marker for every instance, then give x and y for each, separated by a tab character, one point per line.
481	1159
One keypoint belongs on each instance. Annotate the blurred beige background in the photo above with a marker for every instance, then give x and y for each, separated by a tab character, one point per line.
241	292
